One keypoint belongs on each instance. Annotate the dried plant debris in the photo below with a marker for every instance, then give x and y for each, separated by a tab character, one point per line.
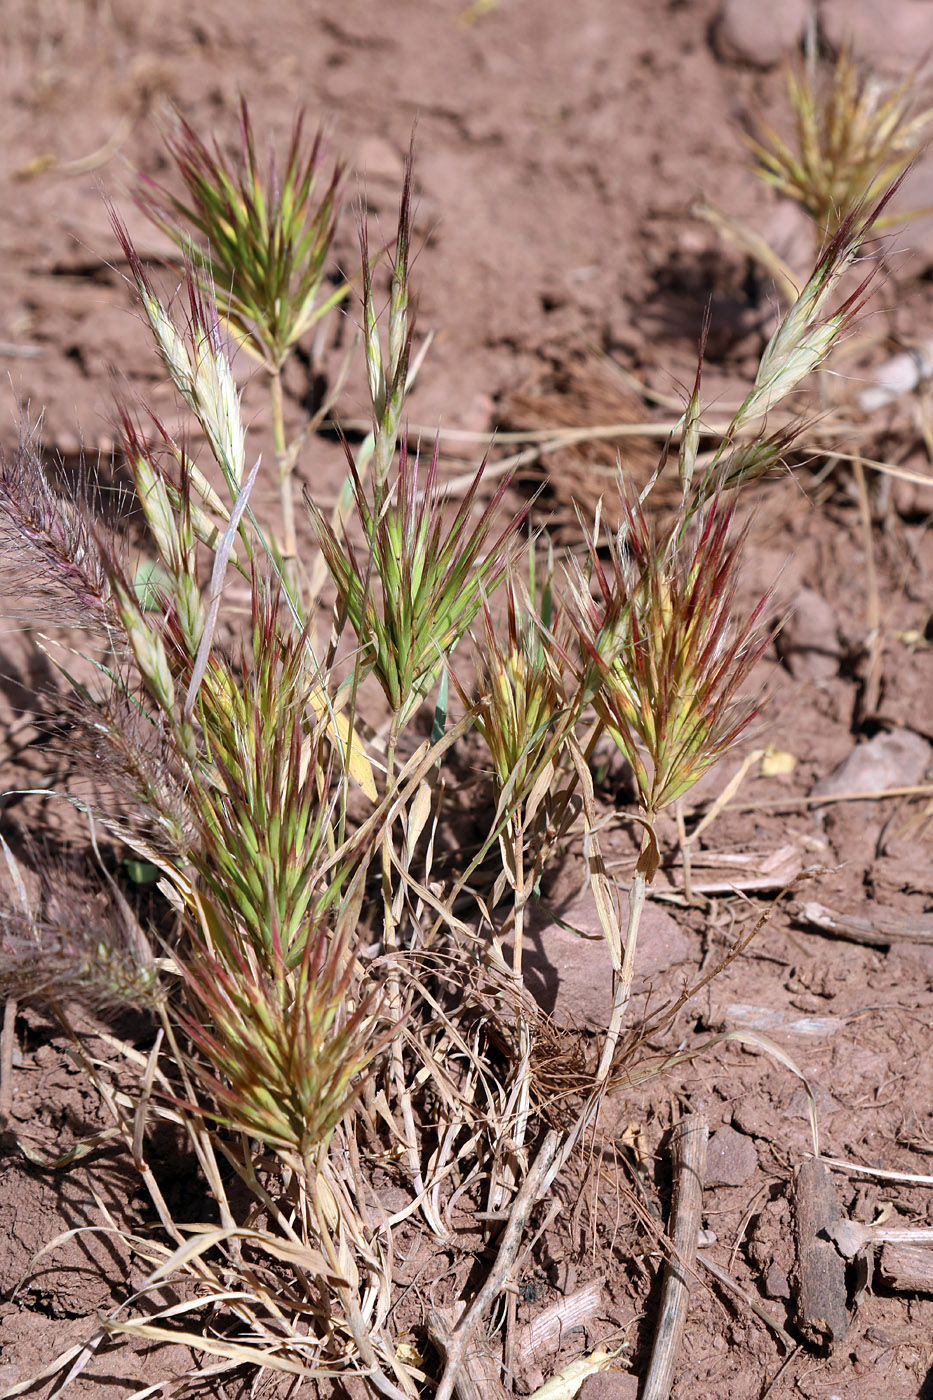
585	391
821	1295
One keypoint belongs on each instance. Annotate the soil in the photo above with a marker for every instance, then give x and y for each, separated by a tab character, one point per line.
561	151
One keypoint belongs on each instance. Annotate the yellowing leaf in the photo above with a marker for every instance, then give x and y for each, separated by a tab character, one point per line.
776	763
409	1355
359	766
567	1382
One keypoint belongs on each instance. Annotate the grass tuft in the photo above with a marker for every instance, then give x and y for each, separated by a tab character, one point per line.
854	137
333	1005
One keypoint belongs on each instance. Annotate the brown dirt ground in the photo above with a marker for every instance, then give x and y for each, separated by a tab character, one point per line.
560	149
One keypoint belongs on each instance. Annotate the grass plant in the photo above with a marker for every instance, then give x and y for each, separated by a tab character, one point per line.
854	136
257	235
323	1006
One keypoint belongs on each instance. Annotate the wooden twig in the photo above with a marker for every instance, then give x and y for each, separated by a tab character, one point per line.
821	1270
526	1198
478	1378
908	1268
546	1332
879	929
689	1161
851	1236
822	799
874	632
880	1173
7	1042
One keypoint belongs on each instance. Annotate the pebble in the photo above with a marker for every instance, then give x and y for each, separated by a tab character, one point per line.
609	1385
892	36
731	1159
570	976
749	31
809	640
897	376
896	759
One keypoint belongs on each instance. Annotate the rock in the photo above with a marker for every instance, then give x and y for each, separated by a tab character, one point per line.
609	1385
731	1159
776	1282
891	37
567	970
898	375
905	865
906	685
758	1117
896	759
800	1106
748	31
377	159
808	643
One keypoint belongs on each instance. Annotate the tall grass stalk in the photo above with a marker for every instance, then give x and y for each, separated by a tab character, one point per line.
661	658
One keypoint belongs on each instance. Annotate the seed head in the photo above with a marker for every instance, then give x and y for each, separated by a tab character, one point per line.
661	658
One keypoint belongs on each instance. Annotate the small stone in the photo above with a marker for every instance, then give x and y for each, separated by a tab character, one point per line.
377	159
609	1385
748	31
731	1159
776	1282
800	1106
889	760
809	640
567	969
890	36
905	692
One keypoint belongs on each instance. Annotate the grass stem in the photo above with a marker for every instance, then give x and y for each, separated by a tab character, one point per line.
622	990
285	465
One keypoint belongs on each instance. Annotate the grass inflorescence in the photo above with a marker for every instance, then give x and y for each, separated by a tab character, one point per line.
854	136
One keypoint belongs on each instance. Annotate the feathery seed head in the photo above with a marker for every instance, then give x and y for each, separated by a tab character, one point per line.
259	243
51	561
661	657
520	675
288	1049
425	577
198	363
853	137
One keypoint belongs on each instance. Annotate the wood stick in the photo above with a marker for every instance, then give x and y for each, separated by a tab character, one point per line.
7	1045
880	927
907	1267
546	1331
526	1198
821	1270
478	1377
688	1153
